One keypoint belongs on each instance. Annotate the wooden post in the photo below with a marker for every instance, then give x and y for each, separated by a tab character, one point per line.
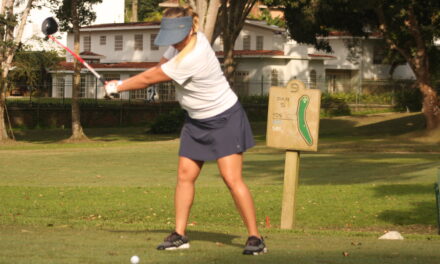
291	171
292	125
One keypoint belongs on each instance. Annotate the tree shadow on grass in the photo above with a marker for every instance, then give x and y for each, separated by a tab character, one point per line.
352	168
421	213
194	235
136	134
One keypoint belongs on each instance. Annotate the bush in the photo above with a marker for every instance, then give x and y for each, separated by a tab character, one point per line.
332	105
170	122
409	99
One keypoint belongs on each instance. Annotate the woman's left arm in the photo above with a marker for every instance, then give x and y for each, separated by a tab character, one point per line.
144	79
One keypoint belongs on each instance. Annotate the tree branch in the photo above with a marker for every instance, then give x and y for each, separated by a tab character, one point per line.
11	51
384	28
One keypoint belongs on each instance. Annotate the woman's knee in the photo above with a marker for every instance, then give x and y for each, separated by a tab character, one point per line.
233	182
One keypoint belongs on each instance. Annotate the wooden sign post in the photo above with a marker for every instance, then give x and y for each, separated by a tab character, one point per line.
292	125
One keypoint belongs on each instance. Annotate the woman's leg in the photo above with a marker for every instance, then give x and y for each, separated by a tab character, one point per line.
230	168
187	173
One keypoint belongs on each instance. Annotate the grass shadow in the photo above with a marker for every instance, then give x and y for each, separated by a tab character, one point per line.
46	136
420	213
193	235
356	168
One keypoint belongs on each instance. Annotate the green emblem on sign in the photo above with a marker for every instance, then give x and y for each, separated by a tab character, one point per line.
302	122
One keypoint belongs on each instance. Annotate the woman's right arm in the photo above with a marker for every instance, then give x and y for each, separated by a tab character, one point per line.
144	79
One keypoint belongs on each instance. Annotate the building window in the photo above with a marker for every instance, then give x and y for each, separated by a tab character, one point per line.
246	42
111	76
60	87
138	42
152	46
92	61
87	43
102	40
241	83
260	43
166	91
313	79
139	94
274	77
378	54
82	88
119	42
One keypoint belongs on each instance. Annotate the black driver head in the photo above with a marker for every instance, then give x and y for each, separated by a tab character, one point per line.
49	26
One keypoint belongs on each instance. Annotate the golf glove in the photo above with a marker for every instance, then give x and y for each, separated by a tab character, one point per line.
112	87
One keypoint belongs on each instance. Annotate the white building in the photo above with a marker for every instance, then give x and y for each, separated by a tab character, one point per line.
358	62
265	58
120	50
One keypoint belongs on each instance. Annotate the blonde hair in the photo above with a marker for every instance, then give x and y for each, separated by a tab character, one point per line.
174	12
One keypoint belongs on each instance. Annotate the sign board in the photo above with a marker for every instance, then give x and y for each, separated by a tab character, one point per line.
293	117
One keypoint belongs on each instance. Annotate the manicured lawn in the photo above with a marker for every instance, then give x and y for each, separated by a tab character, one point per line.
108	199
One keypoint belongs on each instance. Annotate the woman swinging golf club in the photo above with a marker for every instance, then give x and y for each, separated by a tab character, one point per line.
216	126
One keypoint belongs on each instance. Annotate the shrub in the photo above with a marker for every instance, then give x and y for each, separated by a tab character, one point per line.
409	99
332	105
170	122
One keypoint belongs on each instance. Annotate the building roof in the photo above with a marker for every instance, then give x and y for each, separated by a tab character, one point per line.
113	26
90	54
273	54
267	53
321	56
68	66
344	34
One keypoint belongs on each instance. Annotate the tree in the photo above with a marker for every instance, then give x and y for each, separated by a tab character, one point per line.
31	68
207	11
233	14
409	28
147	10
73	14
10	23
134	10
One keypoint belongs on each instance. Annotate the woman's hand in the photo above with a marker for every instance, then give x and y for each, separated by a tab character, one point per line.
111	87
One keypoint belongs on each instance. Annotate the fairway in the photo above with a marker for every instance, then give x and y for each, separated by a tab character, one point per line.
108	199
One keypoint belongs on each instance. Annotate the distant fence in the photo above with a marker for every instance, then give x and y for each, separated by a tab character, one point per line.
358	92
43	106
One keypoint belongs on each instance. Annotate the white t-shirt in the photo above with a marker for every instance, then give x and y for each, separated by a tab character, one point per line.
202	88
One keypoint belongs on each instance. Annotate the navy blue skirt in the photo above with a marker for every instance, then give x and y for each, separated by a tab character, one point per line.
215	137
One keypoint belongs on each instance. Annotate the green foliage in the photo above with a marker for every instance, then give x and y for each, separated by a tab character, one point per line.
334	105
255	99
168	123
409	99
267	17
31	67
63	11
147	10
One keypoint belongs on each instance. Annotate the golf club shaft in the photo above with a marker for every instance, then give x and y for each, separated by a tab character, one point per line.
99	77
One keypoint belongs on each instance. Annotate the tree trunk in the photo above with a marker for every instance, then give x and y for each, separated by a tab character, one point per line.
3	129
229	62
77	130
134	11
233	15
7	53
431	105
211	19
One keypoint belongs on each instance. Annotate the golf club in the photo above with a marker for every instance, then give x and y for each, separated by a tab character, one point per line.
49	27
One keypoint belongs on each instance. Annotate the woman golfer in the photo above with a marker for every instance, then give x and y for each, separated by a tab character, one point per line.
216	126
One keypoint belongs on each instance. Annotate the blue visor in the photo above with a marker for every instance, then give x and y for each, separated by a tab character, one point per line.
173	30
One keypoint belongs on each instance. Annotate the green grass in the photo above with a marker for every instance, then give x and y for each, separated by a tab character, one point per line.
104	200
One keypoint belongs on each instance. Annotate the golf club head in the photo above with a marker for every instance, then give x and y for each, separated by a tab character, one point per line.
49	26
